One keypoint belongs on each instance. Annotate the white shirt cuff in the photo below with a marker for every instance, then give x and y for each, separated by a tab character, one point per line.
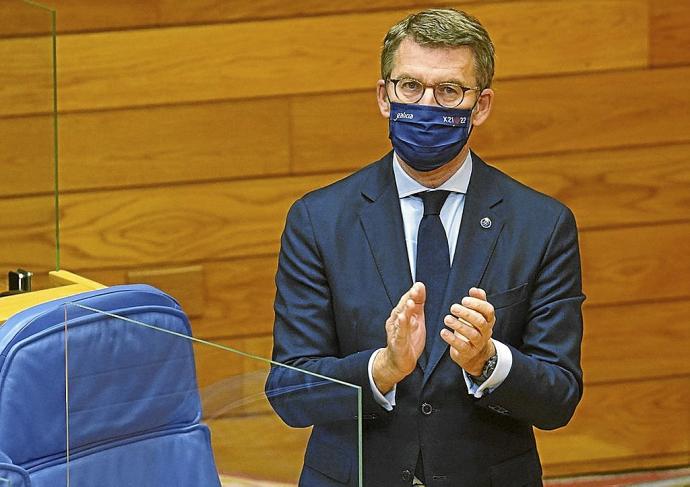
385	401
503	366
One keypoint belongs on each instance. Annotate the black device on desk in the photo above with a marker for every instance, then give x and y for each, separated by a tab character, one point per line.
19	281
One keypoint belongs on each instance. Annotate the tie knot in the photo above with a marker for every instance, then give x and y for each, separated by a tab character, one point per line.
433	201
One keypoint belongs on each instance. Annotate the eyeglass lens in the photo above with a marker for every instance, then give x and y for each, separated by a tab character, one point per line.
410	90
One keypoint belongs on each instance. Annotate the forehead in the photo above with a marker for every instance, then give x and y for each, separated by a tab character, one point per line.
434	64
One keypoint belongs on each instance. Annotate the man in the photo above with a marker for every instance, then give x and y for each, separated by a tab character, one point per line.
494	261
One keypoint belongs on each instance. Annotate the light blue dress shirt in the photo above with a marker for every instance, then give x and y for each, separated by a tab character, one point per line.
412	209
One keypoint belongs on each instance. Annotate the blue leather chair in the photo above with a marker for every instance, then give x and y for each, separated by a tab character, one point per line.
134	407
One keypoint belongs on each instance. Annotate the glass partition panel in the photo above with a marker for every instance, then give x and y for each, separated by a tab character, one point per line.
28	141
149	405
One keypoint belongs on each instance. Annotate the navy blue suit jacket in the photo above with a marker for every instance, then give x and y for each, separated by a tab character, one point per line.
343	266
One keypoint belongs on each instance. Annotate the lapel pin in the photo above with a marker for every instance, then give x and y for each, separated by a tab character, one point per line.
485	222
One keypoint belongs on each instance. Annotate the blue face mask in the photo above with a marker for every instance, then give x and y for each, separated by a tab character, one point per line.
426	137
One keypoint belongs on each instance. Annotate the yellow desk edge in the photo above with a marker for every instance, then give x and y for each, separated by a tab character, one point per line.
66	284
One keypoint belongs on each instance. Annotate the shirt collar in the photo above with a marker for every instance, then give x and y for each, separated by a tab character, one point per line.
457	183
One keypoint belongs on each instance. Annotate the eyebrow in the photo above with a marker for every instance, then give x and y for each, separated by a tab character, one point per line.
453	81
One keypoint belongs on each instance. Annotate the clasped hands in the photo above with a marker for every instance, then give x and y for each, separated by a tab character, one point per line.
470	343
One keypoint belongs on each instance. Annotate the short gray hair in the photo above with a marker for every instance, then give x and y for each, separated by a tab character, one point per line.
442	28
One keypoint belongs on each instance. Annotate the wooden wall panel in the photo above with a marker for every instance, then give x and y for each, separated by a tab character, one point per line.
645	185
588	112
182	143
27	156
237	294
524	35
639	464
260	447
669	33
27	226
240	356
26	75
331	53
242	298
214	62
625	264
606	110
218	61
215	10
186	281
153	226
624	420
18	18
232	379
149	146
337	132
77	15
635	341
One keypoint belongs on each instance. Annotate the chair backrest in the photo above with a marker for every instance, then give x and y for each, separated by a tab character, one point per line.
134	407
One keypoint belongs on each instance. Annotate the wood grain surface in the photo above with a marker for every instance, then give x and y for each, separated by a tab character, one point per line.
624	420
77	15
187	129
669	33
308	54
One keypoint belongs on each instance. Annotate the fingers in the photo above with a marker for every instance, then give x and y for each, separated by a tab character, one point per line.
470	318
418	293
473	320
481	307
475	309
411	303
478	293
458	343
464	331
403	321
404	318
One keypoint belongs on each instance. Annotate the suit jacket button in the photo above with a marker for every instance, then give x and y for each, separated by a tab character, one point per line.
427	409
406	475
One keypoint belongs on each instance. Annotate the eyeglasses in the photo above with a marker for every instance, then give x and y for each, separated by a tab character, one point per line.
447	94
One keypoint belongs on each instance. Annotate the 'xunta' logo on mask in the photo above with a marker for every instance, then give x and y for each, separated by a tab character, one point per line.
455	120
404	115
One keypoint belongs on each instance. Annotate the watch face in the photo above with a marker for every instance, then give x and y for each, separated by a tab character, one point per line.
489	367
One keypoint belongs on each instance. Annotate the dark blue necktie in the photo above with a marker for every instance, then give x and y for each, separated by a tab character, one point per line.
433	261
433	267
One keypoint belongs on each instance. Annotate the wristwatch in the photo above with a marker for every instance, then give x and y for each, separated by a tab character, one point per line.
488	369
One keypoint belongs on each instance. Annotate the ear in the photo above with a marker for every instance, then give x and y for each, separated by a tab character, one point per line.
382	99
483	108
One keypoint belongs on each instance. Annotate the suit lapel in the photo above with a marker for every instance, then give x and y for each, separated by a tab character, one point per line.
474	247
383	227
